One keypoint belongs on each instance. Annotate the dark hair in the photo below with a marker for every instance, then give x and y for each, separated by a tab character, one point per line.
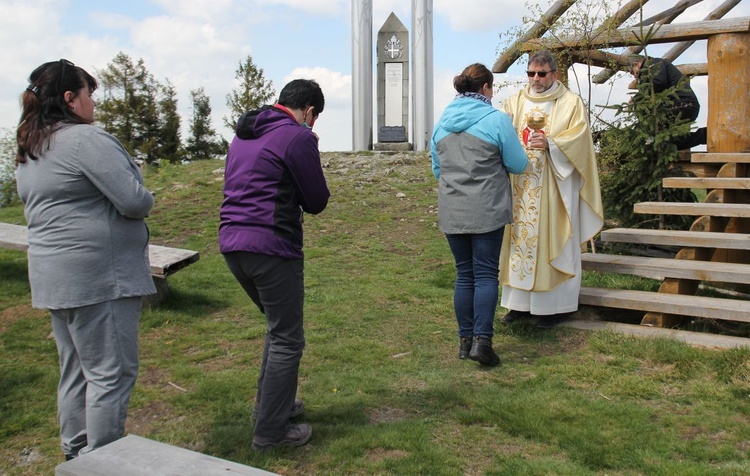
302	93
543	57
635	59
473	78
43	105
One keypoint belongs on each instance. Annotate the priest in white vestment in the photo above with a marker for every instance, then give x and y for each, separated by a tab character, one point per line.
557	203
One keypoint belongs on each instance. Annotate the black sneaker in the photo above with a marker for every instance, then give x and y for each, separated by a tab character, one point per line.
296	435
464	347
514	316
297	410
548	322
482	351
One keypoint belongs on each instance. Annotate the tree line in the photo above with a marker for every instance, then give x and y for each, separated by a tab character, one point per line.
142	112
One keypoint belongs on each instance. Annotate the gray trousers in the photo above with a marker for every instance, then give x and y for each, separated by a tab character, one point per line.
98	349
276	285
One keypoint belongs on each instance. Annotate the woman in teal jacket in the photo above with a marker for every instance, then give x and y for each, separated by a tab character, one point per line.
474	147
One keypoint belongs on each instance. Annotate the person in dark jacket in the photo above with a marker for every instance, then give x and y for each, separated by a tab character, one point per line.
273	174
474	147
662	75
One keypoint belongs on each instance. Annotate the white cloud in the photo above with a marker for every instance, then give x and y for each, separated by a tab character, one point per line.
480	15
319	7
334	126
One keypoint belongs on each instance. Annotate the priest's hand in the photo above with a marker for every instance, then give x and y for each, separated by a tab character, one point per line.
538	140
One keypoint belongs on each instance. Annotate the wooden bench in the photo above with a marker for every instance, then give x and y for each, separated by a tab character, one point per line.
138	456
164	260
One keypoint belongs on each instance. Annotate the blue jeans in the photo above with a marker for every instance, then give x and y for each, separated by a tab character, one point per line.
475	296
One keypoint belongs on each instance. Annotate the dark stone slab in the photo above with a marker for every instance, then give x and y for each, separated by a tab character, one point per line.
392	134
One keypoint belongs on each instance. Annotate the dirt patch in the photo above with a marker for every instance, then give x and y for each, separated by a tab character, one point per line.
380	454
145	420
387	415
14	314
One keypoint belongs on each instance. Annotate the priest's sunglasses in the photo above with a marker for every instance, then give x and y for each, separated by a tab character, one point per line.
541	74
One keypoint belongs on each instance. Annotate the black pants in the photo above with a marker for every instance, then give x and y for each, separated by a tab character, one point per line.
693	138
276	285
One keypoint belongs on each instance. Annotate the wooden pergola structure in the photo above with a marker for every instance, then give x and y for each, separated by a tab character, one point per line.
715	252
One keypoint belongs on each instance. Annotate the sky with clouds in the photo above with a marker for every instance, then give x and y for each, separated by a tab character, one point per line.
199	43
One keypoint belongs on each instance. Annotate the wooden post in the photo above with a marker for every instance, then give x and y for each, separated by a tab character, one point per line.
728	131
729	93
729	115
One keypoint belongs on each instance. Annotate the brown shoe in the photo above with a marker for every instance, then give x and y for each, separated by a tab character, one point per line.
296	435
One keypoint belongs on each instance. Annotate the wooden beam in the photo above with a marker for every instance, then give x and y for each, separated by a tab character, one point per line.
660	268
693	209
539	28
698	306
720	157
692	239
513	53
722	183
719	12
670	13
700	30
663	18
598	58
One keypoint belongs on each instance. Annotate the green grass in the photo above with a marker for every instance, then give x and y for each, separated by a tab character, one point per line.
382	386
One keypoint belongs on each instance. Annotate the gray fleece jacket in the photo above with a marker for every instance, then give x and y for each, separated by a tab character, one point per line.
85	205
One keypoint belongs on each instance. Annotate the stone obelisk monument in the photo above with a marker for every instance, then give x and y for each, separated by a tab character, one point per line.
393	85
416	78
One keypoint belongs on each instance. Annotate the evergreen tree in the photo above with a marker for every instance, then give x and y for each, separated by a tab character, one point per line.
203	142
253	92
129	109
170	143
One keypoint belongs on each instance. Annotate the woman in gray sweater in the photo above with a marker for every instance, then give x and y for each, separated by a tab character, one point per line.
85	205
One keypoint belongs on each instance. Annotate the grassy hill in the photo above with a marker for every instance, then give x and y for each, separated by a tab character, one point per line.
383	388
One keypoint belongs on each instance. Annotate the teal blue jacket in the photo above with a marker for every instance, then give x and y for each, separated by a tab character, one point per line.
474	146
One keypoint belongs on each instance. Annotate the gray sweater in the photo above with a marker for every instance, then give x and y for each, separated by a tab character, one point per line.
85	205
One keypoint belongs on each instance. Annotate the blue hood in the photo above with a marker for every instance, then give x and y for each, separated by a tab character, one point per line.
463	113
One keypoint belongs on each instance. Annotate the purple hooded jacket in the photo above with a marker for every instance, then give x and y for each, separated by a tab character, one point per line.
273	174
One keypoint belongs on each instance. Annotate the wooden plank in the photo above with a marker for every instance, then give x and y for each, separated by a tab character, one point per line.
699	170
699	30
729	183
164	260
698	239
660	268
702	339
685	305
740	210
720	157
13	237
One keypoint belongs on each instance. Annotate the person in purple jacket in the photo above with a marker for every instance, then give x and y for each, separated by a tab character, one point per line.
273	174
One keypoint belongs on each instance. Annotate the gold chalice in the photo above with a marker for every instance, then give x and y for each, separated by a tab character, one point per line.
536	120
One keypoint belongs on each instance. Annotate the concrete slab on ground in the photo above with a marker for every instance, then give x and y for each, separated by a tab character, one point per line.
693	338
137	456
